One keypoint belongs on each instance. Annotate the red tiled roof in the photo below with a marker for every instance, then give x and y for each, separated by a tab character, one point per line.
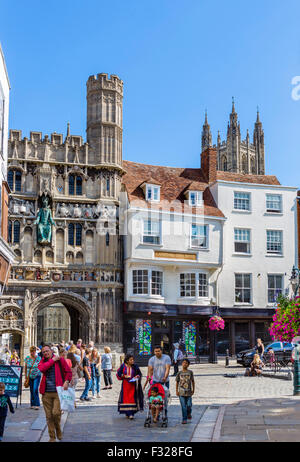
174	182
244	178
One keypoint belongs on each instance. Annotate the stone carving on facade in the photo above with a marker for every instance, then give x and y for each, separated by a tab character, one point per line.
62	210
77	212
27	295
21	207
11	318
86	211
44	222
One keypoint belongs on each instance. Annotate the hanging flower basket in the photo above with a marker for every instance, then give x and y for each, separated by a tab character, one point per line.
286	320
216	323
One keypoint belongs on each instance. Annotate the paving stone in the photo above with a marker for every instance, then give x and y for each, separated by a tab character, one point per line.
232	438
290	435
256	435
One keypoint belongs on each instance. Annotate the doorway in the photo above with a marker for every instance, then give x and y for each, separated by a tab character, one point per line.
162	335
53	324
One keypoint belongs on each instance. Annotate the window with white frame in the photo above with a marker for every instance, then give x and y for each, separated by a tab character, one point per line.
203	287
195	198
140	282
243	288
275	286
274	242
147	282
274	203
188	285
156	282
242	240
151	231
241	201
199	235
193	285
152	193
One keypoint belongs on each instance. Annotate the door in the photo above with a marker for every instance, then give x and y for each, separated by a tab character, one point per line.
162	335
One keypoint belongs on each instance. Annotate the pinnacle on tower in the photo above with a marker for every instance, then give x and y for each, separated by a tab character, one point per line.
206	134
233	108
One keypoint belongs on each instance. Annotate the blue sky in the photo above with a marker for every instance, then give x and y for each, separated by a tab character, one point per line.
176	58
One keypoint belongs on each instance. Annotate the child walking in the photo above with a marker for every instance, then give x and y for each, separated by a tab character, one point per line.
4	403
185	388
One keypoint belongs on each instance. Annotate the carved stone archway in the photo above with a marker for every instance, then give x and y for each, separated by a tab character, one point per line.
80	311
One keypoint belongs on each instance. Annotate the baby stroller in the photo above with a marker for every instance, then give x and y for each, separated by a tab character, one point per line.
165	394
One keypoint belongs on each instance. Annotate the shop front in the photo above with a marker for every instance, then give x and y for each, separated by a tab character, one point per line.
147	325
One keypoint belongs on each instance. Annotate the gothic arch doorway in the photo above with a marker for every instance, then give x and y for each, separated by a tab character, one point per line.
81	323
12	328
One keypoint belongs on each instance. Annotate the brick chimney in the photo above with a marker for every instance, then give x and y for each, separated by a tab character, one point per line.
209	164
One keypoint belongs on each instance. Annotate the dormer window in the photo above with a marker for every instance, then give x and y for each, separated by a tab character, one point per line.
152	192
195	198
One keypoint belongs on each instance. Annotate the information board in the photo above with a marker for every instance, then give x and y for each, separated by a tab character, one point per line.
12	377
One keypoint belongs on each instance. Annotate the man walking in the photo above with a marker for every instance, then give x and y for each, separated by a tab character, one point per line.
56	373
159	368
177	356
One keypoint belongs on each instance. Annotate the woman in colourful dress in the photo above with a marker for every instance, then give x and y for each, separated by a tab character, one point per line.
131	399
31	369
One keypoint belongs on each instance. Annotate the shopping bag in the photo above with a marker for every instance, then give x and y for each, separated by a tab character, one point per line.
66	398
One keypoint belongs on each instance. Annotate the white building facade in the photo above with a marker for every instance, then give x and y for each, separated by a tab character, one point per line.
201	242
172	257
260	249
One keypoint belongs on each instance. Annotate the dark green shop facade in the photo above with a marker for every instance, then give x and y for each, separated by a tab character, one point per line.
147	325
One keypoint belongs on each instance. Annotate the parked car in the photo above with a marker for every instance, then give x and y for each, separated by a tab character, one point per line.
245	357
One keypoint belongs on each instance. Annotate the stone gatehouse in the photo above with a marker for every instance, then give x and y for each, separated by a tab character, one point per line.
79	265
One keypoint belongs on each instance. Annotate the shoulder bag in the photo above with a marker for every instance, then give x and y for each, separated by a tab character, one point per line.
26	383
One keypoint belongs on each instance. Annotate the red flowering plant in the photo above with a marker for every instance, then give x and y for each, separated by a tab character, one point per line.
216	323
286	320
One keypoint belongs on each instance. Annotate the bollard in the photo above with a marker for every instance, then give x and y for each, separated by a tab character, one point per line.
297	372
227	358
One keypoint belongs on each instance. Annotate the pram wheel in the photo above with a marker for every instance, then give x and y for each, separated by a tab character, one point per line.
147	422
164	422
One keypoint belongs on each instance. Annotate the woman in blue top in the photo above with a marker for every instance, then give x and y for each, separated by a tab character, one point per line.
106	366
31	369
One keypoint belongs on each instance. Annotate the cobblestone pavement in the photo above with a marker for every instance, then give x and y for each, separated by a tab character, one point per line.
105	424
224	409
211	386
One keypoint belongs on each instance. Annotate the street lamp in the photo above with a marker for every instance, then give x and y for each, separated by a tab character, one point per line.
213	358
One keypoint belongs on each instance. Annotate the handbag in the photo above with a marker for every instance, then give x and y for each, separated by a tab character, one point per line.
97	372
26	382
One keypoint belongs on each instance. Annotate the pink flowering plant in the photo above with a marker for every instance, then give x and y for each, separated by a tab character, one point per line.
286	320
216	323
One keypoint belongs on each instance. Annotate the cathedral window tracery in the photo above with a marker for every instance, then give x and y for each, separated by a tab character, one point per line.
13	232
14	179
75	185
